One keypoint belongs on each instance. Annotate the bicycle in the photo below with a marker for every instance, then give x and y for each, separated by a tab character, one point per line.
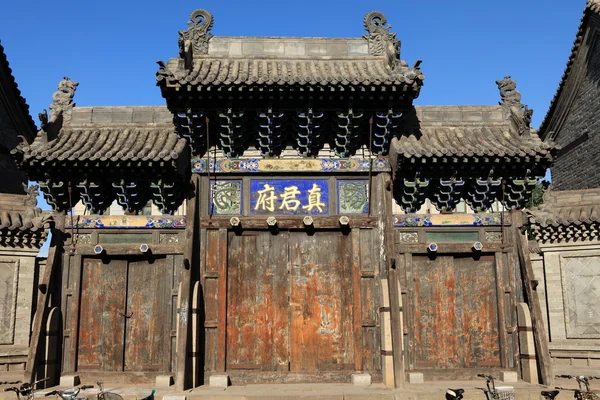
103	395
69	394
584	392
493	392
454	394
26	390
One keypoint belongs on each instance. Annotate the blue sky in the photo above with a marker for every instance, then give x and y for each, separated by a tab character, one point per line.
110	47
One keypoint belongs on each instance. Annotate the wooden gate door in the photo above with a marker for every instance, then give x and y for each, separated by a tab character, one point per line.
289	302
455	310
257	302
124	314
321	303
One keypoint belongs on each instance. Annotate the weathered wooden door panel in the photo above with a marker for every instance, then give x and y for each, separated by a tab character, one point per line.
321	335
147	316
455	312
101	325
257	308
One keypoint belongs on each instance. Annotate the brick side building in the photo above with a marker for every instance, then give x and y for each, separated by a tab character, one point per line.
566	251
23	229
572	120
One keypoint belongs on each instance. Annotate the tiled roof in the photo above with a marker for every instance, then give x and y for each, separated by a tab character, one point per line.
110	135
205	60
215	71
22	223
468	141
467	131
107	144
592	7
567	215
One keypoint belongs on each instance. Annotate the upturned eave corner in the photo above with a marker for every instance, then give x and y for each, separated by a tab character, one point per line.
50	127
26	225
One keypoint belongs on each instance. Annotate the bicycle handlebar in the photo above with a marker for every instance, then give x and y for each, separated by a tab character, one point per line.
485	376
51	393
87	387
11	389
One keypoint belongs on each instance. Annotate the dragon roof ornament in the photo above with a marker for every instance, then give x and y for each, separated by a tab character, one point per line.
512	108
381	40
195	39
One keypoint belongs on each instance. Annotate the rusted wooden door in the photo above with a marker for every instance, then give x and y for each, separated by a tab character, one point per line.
147	317
124	314
455	310
257	302
321	303
289	302
101	326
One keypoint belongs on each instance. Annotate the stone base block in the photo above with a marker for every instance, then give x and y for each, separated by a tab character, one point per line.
221	381
509	376
173	397
70	380
164	380
361	379
415	377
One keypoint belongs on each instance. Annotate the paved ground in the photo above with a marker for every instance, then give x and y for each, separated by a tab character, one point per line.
427	391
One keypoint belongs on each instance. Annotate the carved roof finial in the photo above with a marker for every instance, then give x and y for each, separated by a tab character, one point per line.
63	100
512	108
381	40
195	39
30	202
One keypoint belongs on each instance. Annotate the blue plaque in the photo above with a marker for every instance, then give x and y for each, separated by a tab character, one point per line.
289	196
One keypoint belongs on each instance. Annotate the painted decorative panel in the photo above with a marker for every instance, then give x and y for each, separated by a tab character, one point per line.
128	221
581	291
353	196
256	165
7	300
226	197
283	196
407	237
456	219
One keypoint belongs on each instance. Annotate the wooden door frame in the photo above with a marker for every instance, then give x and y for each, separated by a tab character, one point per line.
216	308
72	275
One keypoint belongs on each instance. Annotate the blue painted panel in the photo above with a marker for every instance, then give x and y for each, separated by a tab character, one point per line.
289	197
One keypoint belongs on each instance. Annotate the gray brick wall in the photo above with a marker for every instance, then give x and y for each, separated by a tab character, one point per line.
577	167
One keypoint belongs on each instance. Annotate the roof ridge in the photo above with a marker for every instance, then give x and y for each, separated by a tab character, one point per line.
591	5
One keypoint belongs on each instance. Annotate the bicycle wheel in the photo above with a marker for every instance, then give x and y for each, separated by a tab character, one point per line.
109	396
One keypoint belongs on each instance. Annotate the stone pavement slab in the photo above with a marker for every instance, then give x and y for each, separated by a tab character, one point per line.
335	391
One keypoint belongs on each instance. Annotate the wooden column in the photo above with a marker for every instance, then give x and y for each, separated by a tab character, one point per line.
184	368
393	279
36	344
540	335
